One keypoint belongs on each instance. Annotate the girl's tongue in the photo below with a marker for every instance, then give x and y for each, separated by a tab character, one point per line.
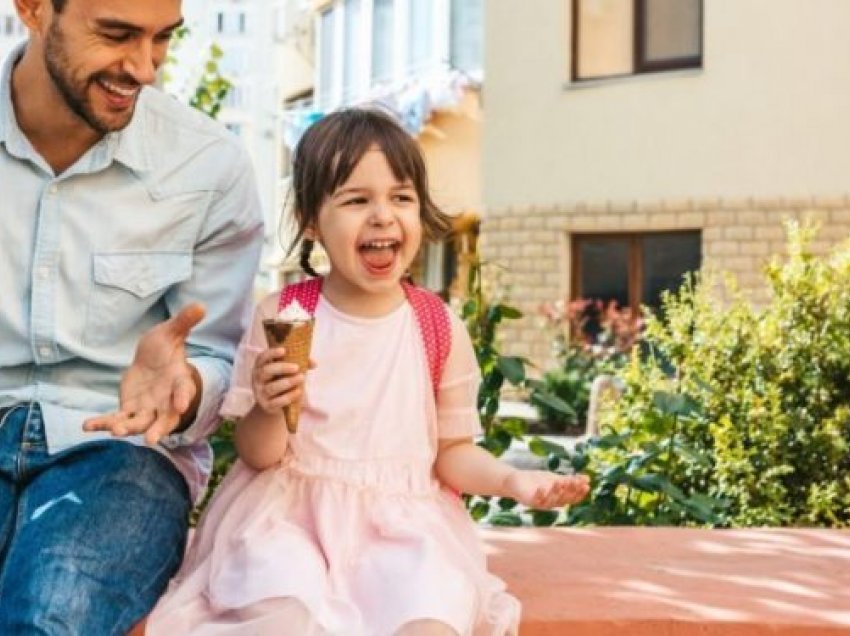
378	259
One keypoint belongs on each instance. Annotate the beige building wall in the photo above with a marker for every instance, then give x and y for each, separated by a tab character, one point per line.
451	143
295	69
759	134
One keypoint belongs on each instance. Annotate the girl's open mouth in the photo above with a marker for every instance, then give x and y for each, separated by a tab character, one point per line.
379	256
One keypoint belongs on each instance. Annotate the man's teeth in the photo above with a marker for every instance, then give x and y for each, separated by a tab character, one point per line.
124	92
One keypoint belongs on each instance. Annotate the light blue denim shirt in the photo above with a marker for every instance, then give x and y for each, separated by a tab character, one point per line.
150	219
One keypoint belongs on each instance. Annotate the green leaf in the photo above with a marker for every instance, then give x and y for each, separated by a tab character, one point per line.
507	519
506	503
693	456
479	510
512	368
610	441
544	518
507	311
516	427
553	402
672	491
579	461
614	476
648	483
674	403
497	442
544	448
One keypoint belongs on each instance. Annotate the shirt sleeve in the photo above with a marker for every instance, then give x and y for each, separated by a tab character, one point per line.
457	398
224	264
239	399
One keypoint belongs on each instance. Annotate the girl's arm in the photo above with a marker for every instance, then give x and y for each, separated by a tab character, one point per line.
468	468
261	436
464	466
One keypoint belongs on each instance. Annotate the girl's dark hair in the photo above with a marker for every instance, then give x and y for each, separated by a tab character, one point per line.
58	5
331	148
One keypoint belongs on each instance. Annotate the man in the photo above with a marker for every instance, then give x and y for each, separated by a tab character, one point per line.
131	232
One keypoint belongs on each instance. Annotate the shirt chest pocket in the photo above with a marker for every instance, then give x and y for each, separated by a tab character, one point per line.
126	292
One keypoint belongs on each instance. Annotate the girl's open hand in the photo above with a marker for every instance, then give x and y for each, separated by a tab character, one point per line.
276	383
542	489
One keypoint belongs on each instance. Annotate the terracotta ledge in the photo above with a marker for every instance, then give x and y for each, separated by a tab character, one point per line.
676	582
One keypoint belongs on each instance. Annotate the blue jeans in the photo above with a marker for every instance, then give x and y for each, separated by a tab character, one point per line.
88	537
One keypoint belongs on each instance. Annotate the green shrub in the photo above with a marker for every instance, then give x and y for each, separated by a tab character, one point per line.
590	339
769	431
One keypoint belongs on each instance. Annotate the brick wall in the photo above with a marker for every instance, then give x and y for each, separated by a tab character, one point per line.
738	236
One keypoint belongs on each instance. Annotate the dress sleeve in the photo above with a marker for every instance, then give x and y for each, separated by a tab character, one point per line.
457	399
240	397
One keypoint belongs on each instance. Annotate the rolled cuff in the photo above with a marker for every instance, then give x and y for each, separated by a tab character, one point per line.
237	403
215	374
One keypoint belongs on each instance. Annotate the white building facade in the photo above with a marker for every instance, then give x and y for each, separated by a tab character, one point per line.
12	30
250	36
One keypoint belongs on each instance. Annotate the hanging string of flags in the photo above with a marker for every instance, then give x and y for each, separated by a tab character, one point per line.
412	102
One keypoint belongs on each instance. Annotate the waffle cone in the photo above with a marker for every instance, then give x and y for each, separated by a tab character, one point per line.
295	338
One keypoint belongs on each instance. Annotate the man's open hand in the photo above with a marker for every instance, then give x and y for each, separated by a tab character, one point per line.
159	386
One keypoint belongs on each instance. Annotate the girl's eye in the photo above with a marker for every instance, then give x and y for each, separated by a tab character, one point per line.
405	198
355	201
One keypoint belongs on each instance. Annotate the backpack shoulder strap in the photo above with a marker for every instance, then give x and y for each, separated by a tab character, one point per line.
432	315
305	292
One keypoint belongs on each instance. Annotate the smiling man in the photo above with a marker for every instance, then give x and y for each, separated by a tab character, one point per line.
131	232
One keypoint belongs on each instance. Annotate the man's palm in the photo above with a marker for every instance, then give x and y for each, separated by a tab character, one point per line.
159	385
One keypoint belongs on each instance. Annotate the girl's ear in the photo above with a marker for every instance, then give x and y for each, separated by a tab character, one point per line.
310	233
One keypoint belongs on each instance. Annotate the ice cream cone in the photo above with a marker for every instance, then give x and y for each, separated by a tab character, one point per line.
295	338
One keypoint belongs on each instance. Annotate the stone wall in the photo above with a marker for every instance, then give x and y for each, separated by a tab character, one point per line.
738	236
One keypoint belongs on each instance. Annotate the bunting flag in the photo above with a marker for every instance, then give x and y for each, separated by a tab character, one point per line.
413	103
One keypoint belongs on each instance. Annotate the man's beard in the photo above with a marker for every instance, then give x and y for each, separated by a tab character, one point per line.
74	93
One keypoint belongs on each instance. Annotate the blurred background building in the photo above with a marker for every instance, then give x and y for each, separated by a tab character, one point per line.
423	61
629	141
594	148
12	30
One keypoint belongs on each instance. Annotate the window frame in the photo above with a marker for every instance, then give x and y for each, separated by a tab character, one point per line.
635	260
640	65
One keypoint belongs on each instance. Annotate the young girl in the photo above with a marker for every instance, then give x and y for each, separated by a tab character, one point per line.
352	525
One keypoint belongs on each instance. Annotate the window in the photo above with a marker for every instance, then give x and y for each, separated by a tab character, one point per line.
353	57
243	22
439	267
220	22
365	46
382	40
633	269
328	71
421	40
612	38
466	47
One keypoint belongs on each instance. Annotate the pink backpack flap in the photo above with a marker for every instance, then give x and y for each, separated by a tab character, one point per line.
431	313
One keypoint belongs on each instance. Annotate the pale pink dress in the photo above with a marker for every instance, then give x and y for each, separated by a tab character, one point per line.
351	534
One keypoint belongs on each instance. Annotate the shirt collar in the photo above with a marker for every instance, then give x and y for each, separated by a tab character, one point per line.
127	146
130	143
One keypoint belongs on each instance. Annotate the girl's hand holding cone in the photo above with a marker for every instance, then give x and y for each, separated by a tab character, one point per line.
276	383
